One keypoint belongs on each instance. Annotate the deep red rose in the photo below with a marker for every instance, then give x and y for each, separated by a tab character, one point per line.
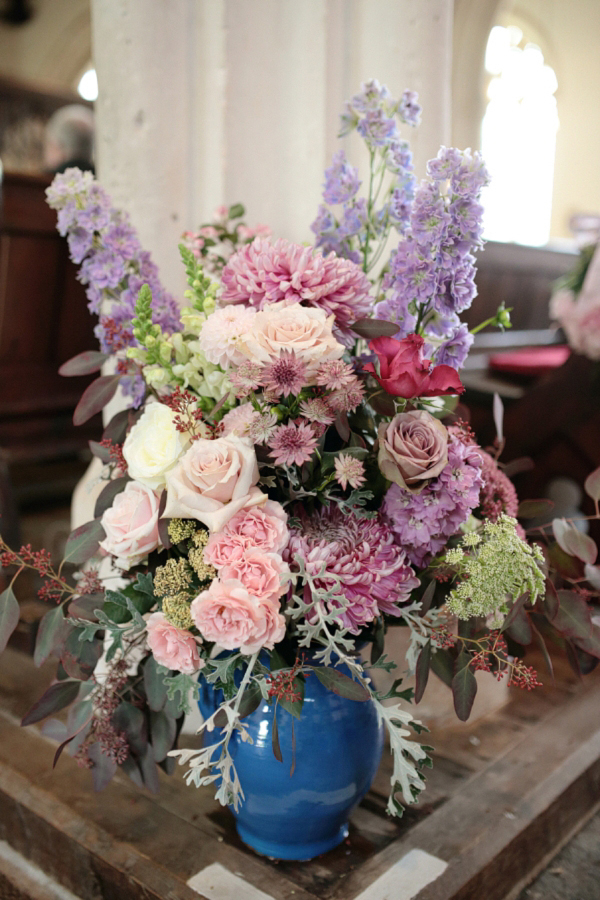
404	373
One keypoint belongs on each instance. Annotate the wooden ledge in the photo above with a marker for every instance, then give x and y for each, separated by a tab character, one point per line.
504	794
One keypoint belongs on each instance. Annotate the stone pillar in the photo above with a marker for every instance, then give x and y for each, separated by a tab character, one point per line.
204	102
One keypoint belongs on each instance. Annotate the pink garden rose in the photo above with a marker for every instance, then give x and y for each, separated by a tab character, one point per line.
131	525
173	648
413	448
234	619
305	331
264	575
213	481
262	526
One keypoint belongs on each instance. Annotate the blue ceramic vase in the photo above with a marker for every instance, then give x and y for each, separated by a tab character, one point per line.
338	750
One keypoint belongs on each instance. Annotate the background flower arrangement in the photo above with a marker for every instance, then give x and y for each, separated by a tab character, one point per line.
290	477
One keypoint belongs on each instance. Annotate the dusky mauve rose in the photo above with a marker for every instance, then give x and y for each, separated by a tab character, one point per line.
234	619
403	372
173	648
131	525
413	448
213	481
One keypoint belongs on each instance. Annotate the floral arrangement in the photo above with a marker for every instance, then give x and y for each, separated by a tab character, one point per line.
575	304
290	476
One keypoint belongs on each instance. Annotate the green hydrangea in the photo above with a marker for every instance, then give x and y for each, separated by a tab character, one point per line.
500	568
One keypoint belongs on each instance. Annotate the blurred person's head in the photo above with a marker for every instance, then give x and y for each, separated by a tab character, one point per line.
69	138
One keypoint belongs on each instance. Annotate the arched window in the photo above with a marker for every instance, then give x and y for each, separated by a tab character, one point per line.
518	139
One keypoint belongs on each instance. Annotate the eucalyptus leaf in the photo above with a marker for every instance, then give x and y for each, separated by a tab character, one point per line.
9	616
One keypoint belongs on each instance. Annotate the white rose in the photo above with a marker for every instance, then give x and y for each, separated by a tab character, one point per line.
213	481
153	446
305	330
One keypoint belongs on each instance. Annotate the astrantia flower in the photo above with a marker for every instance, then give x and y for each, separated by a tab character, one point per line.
317	410
246	378
222	334
374	575
423	522
346	399
292	444
349	471
263	272
334	374
284	376
262	426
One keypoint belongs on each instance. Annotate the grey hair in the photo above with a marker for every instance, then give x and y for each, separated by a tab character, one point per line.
72	128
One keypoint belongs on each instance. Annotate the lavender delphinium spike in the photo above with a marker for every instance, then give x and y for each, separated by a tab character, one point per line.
113	266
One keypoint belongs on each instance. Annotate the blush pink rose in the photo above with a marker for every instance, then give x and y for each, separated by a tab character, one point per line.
264	526
173	648
131	525
223	548
264	575
413	448
228	615
213	481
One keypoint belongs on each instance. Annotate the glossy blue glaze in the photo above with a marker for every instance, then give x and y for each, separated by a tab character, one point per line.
338	750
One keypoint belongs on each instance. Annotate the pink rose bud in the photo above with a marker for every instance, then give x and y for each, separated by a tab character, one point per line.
173	648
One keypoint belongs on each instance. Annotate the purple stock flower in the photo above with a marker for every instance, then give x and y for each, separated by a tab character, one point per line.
341	180
423	522
80	242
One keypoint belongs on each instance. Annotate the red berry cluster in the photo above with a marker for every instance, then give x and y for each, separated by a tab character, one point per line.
188	417
116	455
281	684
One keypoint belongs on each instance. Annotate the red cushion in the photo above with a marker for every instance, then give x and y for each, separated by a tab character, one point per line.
530	360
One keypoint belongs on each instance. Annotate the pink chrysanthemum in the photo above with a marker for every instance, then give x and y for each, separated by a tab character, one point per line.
292	444
263	272
334	374
349	471
223	332
498	494
374	575
286	375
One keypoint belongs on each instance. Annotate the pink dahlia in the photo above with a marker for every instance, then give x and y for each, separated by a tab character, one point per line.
374	574
263	272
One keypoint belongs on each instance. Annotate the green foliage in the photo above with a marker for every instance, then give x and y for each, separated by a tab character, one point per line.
202	287
184	685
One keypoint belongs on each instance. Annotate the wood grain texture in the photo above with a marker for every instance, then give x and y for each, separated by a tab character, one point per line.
503	794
